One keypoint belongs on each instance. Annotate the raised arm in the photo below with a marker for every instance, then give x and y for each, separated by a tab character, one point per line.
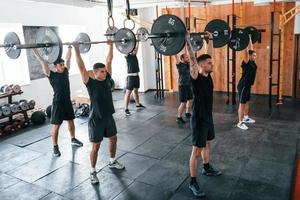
81	66
177	58
109	57
250	47
44	64
194	68
209	49
68	57
135	51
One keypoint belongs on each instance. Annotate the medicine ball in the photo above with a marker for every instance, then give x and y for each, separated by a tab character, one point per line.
48	111
38	118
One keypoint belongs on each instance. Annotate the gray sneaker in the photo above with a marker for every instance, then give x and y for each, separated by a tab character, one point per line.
211	171
116	165
194	187
94	178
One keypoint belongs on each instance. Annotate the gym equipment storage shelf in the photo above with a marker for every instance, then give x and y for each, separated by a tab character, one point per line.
9	101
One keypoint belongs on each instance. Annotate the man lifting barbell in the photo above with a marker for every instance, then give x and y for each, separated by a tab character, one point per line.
184	87
133	80
244	86
202	120
62	108
101	122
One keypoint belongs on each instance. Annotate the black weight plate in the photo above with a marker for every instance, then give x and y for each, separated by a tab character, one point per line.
220	30
239	39
84	40
173	25
110	33
196	41
253	32
54	50
125	40
142	34
12	39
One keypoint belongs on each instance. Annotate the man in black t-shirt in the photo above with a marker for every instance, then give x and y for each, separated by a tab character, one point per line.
101	122
244	86
184	87
202	124
133	80
62	108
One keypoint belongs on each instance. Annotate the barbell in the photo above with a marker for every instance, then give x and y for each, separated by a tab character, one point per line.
49	45
168	35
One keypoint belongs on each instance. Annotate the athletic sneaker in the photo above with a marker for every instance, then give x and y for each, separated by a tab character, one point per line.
188	115
127	112
56	151
211	171
116	165
180	120
242	126
94	178
194	187
140	106
76	142
248	120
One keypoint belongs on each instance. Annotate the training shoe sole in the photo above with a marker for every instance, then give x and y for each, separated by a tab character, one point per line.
75	144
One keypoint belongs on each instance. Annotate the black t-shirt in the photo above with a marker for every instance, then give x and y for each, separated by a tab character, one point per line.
132	63
249	73
184	74
61	85
101	97
203	88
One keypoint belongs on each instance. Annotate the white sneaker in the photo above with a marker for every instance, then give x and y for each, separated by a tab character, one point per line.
242	126
94	178
116	165
248	120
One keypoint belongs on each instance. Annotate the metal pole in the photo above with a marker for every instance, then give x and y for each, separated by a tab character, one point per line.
271	60
233	66
227	72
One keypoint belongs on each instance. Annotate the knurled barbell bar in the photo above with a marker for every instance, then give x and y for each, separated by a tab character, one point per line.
49	45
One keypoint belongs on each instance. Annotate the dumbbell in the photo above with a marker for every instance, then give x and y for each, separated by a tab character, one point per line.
16	88
9	129
31	104
6	89
24	104
14	108
5	110
0	112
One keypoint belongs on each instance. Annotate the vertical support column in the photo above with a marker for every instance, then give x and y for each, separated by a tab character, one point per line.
233	67
271	60
282	29
227	68
161	76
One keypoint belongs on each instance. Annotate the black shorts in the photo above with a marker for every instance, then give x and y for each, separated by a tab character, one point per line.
99	128
133	82
185	93
61	111
244	94
201	133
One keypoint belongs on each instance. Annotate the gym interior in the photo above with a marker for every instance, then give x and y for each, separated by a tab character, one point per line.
136	133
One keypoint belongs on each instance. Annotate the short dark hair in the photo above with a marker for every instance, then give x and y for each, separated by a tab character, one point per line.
203	57
58	61
251	52
98	66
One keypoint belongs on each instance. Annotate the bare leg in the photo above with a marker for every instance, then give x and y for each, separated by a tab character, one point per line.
71	128
246	112
241	111
136	96
127	97
196	153
54	133
189	106
181	109
94	154
113	146
205	153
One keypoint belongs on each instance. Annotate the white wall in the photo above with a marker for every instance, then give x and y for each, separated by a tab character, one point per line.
94	19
